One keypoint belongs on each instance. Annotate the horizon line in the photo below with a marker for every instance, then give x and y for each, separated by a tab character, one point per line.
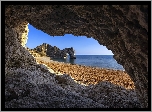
94	54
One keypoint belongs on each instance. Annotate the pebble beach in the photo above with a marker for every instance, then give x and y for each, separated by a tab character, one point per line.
88	75
52	84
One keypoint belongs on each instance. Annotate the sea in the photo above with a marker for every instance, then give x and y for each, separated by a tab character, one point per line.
101	61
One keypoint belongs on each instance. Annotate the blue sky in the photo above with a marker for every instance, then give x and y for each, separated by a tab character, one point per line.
81	44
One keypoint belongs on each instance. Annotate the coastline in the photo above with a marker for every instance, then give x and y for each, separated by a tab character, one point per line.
88	75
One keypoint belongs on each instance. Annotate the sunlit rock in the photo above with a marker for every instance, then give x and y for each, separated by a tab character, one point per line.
52	51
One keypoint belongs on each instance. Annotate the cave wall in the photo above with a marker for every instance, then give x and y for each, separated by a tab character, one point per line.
22	32
16	54
122	29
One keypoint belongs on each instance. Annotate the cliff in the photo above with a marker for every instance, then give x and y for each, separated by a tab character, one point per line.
52	51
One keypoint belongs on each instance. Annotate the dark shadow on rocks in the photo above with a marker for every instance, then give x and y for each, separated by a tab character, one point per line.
35	87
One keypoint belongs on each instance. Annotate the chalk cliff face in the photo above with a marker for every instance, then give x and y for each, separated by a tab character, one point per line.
53	51
122	29
15	54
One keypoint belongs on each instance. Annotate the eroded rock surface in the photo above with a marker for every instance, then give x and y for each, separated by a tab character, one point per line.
122	29
36	87
52	51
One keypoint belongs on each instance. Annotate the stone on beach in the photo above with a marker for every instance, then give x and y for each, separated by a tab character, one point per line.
89	75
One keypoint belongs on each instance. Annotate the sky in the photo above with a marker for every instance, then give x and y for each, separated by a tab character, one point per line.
81	44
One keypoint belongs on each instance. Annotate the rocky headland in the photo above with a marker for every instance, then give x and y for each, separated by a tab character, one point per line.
52	51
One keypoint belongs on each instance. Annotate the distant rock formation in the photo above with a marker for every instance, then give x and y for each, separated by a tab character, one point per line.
70	51
52	51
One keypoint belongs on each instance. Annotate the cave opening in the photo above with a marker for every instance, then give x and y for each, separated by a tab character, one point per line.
105	62
86	50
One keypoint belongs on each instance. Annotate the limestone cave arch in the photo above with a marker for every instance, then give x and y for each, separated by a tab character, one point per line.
122	29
